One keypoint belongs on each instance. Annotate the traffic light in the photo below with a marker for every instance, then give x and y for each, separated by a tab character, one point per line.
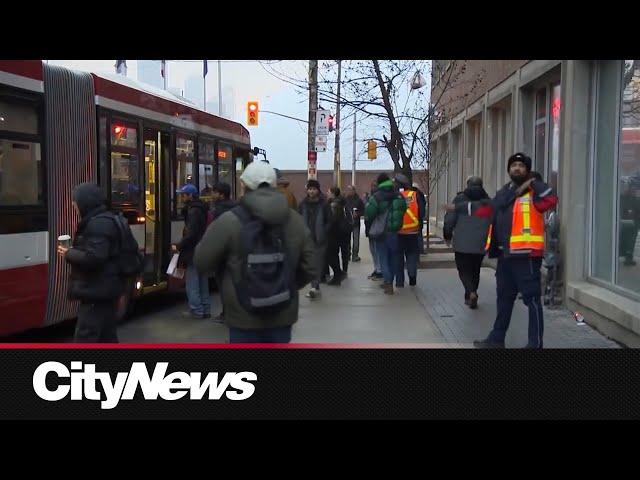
330	123
372	150
252	114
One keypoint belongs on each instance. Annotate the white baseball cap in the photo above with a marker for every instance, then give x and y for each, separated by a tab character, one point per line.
258	173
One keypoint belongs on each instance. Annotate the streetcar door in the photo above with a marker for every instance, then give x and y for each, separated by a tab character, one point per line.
154	154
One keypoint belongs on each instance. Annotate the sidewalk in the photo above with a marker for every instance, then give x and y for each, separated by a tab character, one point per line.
432	313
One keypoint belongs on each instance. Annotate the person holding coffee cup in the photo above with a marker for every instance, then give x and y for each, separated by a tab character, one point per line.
95	277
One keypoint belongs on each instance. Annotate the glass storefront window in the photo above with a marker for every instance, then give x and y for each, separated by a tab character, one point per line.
554	137
628	271
603	170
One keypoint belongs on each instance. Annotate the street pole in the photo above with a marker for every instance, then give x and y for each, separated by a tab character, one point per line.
337	177
353	167
313	107
205	92
219	88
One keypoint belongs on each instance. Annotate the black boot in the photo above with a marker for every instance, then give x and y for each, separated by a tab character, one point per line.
412	281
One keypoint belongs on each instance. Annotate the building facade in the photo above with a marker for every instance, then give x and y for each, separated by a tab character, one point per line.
579	121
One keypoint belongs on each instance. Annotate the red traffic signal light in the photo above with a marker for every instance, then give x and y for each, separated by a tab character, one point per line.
252	113
330	123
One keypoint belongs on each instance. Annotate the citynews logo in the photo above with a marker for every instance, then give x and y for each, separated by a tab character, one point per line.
176	385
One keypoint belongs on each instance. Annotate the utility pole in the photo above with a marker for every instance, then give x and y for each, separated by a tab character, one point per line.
219	88
313	107
353	167
337	177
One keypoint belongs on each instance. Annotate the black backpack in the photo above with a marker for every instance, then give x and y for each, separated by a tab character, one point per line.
267	281
130	259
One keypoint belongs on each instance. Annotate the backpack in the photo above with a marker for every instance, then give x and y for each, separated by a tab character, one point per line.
130	259
267	280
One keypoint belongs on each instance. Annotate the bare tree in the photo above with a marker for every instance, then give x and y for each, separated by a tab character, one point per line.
403	118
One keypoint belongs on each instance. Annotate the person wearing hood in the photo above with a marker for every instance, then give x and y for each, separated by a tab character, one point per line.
194	213
221	194
316	215
283	187
469	236
355	206
95	276
221	251
386	203
339	245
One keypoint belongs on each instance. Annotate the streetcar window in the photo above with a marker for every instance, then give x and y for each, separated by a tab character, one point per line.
20	118
206	170
225	164
184	163
124	178
124	136
21	173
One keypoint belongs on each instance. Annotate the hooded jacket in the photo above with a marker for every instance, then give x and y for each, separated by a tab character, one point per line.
220	251
386	198
469	233
222	206
195	223
94	274
340	220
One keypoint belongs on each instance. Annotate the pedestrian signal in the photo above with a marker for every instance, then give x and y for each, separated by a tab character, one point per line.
372	148
252	114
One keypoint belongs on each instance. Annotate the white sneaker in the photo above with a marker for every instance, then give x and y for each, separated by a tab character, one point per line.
313	293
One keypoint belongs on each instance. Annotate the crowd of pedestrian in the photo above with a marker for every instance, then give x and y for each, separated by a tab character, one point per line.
264	247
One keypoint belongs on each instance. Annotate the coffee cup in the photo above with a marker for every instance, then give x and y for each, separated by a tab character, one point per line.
64	241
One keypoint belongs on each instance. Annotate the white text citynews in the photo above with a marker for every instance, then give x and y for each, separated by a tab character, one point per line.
174	386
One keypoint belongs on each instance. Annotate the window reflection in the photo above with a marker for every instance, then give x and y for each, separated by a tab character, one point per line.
629	179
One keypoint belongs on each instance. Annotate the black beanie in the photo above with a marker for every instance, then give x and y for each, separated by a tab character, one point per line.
519	157
313	183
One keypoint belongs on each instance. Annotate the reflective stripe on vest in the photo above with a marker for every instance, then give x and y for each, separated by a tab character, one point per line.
527	227
410	221
487	245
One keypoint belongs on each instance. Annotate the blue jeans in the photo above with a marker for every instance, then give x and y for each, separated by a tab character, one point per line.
408	247
198	295
387	249
374	254
512	275
265	335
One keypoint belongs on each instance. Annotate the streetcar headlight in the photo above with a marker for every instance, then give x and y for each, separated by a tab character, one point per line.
138	285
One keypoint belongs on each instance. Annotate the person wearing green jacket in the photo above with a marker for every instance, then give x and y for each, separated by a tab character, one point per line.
386	201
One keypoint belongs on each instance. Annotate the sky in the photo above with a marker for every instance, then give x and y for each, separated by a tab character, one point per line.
284	140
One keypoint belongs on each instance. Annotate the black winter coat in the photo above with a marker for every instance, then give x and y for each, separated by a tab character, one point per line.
195	223
94	273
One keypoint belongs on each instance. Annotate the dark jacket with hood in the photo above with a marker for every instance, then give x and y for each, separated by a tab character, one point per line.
220	251
469	233
94	274
222	206
340	221
354	201
316	216
195	223
387	198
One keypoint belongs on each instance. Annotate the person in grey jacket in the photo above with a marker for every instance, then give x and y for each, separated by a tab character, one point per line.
469	234
221	251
